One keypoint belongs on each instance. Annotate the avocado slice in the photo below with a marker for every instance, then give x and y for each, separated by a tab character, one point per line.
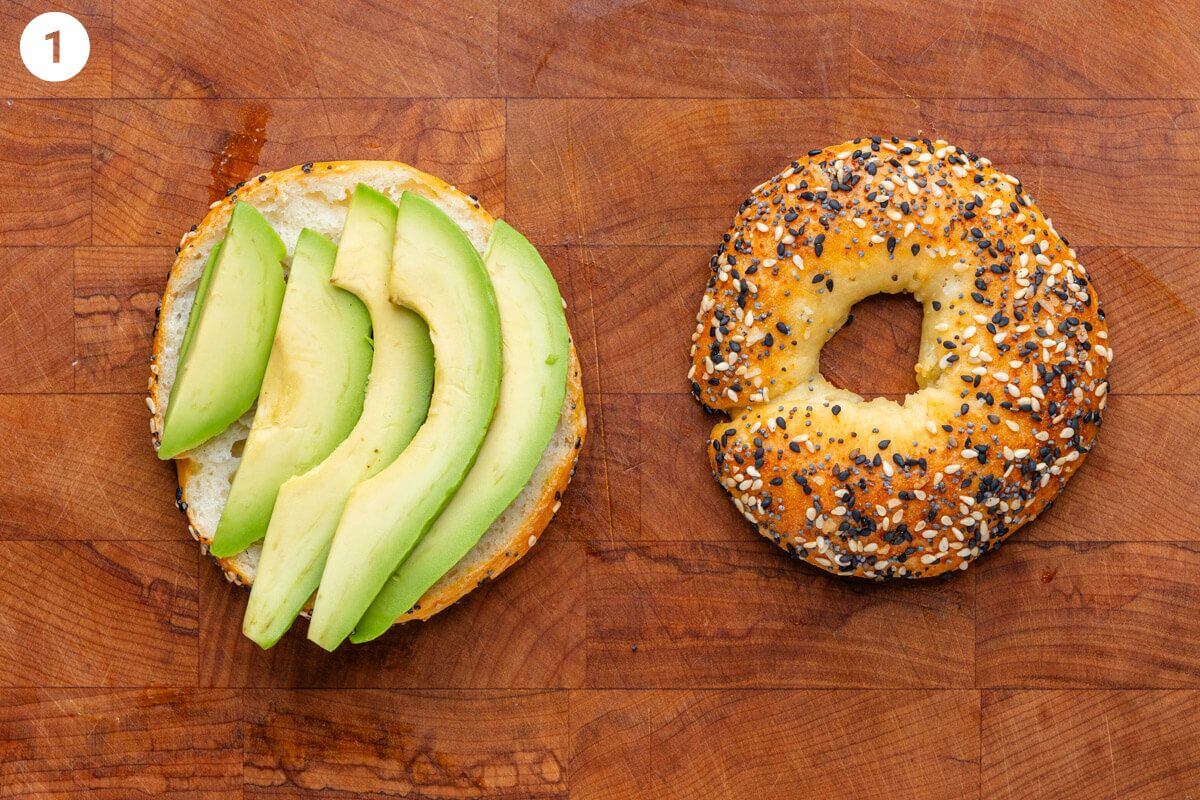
312	393
225	349
198	302
308	507
533	382
437	273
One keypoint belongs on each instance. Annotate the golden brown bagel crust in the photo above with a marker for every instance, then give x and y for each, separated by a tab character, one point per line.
1013	364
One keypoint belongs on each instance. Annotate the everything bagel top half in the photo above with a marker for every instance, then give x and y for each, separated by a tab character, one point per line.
1012	369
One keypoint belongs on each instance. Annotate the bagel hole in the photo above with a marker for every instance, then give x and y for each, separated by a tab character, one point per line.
875	353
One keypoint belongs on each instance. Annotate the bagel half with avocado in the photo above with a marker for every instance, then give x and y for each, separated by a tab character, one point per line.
309	205
1012	369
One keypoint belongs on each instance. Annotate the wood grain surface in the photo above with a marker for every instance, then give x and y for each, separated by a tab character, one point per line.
653	646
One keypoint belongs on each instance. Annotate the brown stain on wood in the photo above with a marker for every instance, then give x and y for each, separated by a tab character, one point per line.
239	152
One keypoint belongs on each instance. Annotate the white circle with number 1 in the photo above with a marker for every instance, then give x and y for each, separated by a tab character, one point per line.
55	46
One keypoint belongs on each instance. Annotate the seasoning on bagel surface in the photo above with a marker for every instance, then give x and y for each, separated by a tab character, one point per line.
1012	368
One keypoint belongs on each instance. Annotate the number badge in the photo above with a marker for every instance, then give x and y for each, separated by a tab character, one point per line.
55	46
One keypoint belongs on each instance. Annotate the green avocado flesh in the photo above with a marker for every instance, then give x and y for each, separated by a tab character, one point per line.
312	393
228	337
198	301
308	506
533	383
437	273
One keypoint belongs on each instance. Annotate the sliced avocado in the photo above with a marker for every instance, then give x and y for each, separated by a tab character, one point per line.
198	302
308	507
225	350
533	332
437	273
312	393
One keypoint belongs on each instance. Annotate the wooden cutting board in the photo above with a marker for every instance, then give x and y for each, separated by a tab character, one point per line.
653	646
